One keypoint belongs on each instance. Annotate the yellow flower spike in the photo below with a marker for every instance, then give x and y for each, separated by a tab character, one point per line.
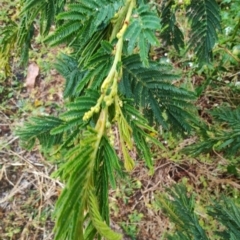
128	161
111	81
115	18
97	109
106	84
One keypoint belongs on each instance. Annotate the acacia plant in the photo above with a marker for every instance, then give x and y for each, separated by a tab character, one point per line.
181	211
112	81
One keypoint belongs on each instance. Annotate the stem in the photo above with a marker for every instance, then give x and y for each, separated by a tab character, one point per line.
113	76
100	126
227	51
119	45
117	26
235	31
100	129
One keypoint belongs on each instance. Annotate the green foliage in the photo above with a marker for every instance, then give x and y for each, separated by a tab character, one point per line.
17	35
131	227
39	128
180	210
7	43
80	174
224	136
171	32
67	66
46	10
85	24
140	32
228	214
153	91
140	127
205	21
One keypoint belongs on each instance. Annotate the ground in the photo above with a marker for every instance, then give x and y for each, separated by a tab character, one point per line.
27	191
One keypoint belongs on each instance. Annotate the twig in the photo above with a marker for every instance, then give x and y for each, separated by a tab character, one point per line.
8	143
47	177
13	191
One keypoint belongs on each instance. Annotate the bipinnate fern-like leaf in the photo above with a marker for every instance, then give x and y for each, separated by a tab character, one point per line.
65	33
87	166
98	222
204	16
227	115
84	10
82	20
90	162
180	210
77	78
7	42
67	66
141	31
78	174
152	89
205	22
228	214
50	131
47	10
40	128
21	32
112	162
72	118
223	137
178	236
140	130
171	33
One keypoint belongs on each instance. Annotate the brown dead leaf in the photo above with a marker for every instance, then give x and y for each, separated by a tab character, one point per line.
33	72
